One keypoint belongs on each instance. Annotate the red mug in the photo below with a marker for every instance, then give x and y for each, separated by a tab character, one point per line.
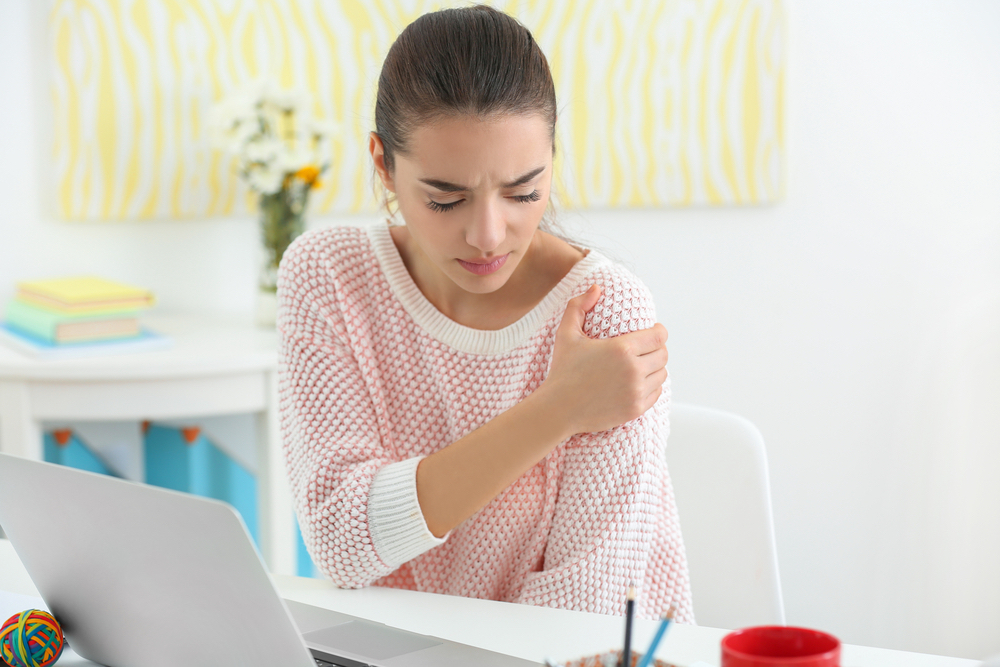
780	646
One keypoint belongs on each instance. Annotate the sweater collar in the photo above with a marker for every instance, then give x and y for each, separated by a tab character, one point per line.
459	336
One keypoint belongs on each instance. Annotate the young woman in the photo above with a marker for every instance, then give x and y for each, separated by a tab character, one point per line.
470	405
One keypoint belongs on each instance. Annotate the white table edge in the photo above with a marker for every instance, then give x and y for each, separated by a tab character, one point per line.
529	632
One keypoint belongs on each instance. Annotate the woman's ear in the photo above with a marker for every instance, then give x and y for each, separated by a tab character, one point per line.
377	151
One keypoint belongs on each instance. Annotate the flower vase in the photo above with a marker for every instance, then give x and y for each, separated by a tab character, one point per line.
281	221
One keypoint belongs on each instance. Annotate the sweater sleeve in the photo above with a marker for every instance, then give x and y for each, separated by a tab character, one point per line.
356	503
615	522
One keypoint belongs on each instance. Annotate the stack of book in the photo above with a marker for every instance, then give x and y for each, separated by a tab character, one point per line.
77	314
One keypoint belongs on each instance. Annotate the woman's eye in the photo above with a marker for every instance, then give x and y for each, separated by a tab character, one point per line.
524	199
441	208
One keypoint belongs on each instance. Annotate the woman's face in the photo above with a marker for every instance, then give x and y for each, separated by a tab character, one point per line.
472	193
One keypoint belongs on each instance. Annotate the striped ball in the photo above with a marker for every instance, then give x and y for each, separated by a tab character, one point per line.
32	638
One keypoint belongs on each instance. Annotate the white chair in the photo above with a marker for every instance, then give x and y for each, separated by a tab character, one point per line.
718	467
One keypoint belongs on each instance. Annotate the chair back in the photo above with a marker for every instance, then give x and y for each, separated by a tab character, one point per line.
718	467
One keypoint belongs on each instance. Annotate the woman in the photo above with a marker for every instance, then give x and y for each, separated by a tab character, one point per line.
471	405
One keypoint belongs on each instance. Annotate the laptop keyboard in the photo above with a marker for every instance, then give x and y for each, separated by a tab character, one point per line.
346	663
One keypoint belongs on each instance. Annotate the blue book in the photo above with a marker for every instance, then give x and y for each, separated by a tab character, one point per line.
201	468
75	454
40	348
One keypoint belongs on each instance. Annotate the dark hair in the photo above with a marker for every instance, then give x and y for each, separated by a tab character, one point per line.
468	61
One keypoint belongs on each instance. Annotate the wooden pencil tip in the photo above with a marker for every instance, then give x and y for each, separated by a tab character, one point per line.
631	592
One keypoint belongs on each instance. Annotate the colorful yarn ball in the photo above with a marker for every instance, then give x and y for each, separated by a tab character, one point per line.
32	638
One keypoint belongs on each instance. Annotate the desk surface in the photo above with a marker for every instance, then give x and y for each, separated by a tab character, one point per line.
200	346
533	633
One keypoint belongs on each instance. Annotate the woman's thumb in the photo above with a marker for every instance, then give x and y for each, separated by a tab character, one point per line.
576	309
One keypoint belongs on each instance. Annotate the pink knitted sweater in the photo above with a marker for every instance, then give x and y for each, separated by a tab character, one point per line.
373	378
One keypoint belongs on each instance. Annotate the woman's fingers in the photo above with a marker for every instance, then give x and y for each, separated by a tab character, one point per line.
653	397
656	379
644	341
654	361
648	349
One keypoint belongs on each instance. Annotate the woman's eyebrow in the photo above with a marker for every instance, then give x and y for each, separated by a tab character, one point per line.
445	186
521	180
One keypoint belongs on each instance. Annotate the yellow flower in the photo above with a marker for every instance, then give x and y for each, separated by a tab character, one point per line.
309	175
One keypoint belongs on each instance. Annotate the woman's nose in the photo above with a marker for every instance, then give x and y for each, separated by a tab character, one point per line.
487	229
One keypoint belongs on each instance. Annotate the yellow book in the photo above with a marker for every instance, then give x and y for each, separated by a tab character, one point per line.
84	294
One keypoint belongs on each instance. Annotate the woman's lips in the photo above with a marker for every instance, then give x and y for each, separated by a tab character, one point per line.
484	267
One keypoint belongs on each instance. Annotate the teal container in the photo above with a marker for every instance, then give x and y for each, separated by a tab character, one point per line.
304	562
75	454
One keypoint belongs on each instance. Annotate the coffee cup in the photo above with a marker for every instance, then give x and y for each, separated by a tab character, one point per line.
780	646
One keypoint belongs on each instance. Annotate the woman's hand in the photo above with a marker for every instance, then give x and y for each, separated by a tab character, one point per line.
600	384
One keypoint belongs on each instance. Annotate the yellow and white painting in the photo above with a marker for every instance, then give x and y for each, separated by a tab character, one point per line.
661	102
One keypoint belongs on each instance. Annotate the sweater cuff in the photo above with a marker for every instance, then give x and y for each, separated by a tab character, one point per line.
395	520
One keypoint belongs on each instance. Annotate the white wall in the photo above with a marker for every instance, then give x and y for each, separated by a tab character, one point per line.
857	323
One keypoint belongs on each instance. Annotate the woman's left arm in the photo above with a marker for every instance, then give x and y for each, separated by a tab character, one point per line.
615	521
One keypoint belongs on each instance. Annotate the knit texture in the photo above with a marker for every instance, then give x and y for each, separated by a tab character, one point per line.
373	378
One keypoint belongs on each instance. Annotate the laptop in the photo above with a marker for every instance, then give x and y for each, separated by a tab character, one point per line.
147	577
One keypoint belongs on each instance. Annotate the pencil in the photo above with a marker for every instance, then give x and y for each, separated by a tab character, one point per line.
629	613
647	659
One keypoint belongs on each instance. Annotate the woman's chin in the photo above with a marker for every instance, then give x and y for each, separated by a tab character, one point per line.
480	284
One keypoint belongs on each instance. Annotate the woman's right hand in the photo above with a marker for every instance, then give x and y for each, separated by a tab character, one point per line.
599	384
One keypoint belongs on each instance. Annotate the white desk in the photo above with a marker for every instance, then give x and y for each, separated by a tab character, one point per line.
533	633
213	368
